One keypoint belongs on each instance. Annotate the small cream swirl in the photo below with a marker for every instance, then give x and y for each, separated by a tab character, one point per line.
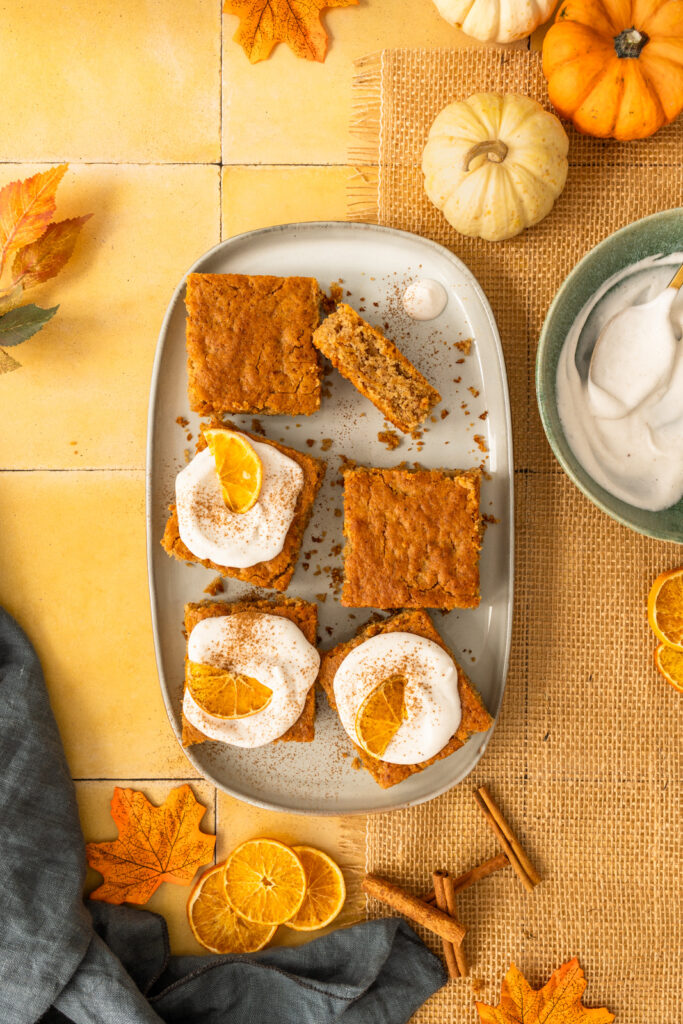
210	530
431	694
266	647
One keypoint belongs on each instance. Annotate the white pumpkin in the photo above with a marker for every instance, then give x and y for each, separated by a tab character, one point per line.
495	165
496	21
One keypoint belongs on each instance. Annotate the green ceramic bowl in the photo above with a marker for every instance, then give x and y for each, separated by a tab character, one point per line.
660	233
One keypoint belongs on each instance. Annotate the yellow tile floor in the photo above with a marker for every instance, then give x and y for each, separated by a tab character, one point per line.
174	140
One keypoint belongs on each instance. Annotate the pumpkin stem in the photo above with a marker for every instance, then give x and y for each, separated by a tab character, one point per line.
630	42
495	151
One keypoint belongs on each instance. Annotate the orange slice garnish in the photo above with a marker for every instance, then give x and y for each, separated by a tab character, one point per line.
225	694
669	661
665	608
325	890
265	881
239	468
215	924
380	715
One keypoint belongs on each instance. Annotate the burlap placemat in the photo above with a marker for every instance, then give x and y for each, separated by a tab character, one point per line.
586	758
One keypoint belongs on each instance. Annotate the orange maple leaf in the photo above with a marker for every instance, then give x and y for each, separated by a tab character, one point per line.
263	23
45	257
26	209
155	845
558	1002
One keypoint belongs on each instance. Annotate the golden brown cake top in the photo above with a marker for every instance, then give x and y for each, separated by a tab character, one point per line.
412	538
249	347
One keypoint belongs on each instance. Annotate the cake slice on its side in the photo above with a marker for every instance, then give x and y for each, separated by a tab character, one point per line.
376	367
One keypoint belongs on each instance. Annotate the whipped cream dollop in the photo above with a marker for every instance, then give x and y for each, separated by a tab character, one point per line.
431	694
621	401
265	647
210	530
424	299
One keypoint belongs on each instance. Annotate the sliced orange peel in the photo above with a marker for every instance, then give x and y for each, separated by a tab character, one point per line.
665	615
224	694
381	715
238	466
265	881
214	923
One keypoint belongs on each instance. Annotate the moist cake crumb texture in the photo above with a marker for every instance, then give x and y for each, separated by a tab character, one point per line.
376	367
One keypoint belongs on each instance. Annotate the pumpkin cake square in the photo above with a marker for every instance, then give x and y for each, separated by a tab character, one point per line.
474	718
275	572
302	614
376	367
412	538
249	347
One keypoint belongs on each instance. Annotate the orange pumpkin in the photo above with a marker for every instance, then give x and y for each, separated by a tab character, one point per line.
615	67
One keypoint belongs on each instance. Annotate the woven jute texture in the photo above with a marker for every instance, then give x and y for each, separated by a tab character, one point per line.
586	759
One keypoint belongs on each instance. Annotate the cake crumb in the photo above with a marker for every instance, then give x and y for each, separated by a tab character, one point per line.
473	391
389	438
445	413
356	764
216	586
464	346
257	427
182	422
481	442
310	442
187	455
484	414
326	444
322	597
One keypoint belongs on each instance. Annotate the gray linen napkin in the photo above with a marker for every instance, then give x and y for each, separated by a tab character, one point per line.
91	963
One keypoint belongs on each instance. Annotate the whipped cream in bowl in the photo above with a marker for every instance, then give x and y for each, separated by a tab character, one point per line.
620	385
211	531
432	701
424	299
269	648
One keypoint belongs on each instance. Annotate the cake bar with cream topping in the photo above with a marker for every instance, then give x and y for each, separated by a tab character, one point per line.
412	538
249	347
303	614
376	367
474	716
278	519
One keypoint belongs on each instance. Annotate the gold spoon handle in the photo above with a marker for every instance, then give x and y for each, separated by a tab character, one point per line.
677	280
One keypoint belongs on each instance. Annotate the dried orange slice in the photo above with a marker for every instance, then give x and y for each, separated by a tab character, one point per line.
380	715
665	608
215	924
669	661
265	881
239	468
325	890
226	694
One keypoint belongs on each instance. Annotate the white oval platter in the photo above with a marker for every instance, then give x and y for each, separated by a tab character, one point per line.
375	264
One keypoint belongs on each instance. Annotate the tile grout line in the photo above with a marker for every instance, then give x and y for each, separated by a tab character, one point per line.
145	778
220	128
72	469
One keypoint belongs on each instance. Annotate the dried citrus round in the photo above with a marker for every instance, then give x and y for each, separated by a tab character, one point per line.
226	694
215	924
239	468
665	608
380	715
325	890
669	661
265	881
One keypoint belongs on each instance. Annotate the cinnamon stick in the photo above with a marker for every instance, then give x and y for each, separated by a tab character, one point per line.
410	906
449	893
509	835
517	865
448	947
475	874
